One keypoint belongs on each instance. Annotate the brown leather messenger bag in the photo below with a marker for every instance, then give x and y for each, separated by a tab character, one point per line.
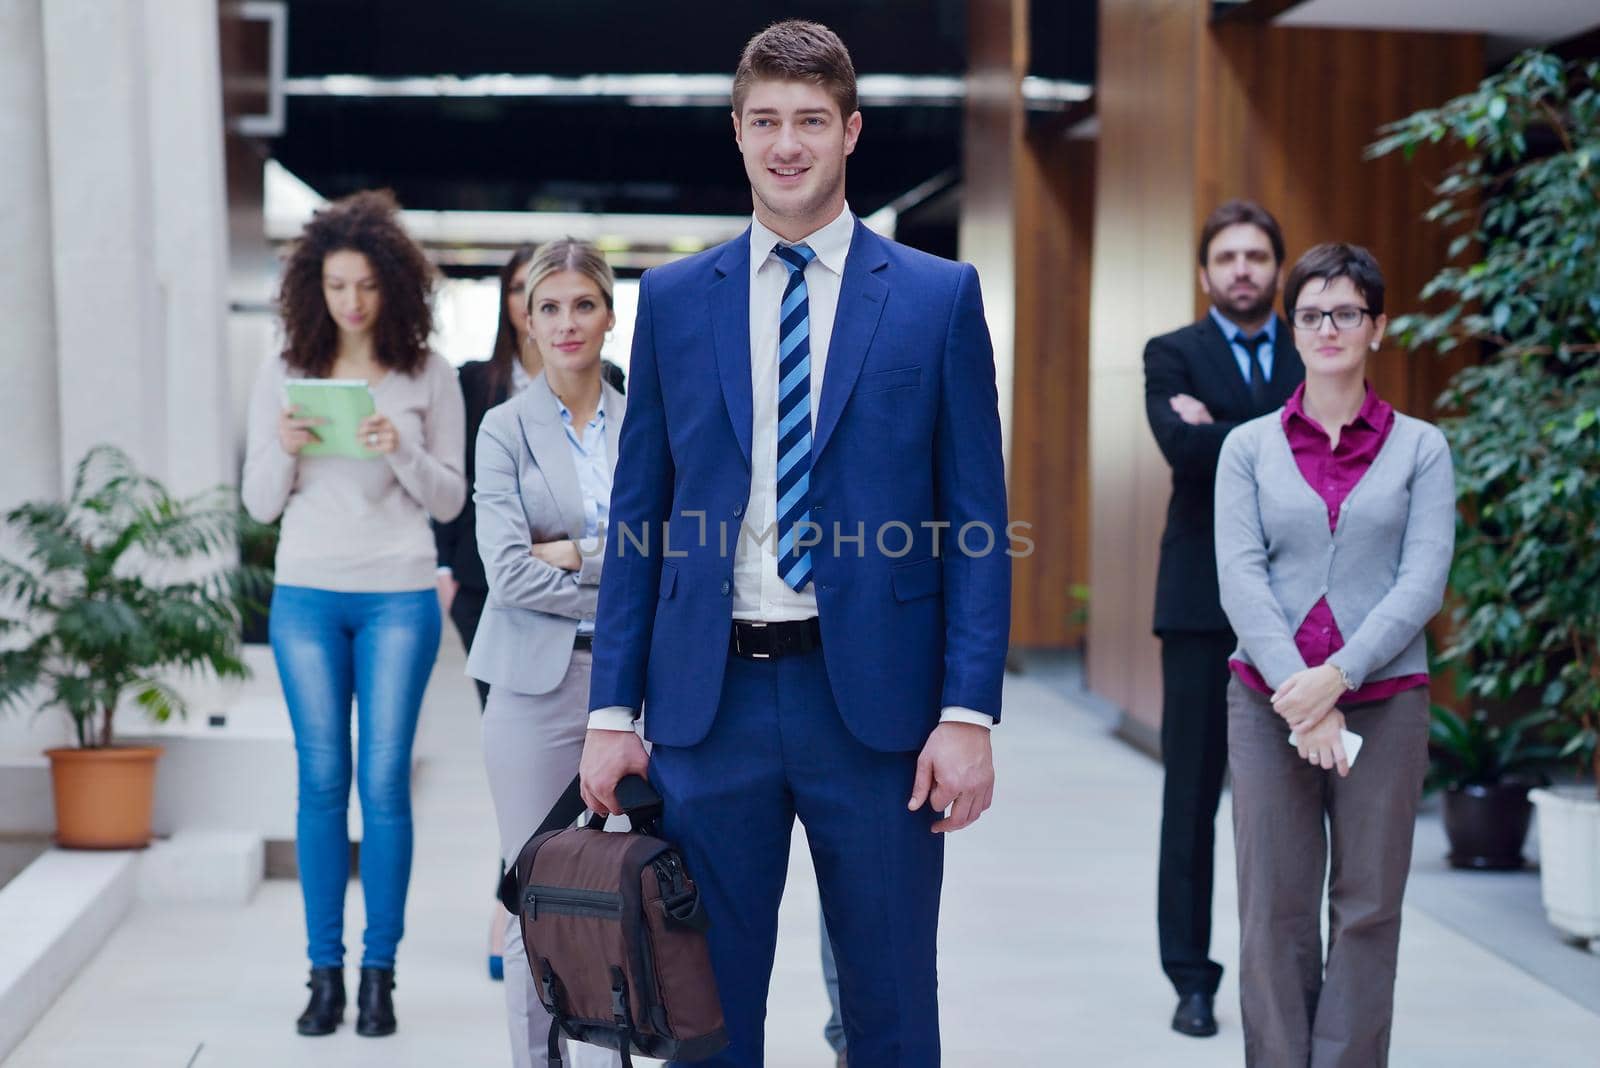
615	933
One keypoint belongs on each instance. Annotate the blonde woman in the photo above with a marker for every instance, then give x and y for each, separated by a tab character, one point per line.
544	462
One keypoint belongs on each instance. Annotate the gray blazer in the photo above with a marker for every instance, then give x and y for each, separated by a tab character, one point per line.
526	492
1383	570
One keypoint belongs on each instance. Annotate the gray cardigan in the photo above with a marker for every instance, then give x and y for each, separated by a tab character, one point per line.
1383	569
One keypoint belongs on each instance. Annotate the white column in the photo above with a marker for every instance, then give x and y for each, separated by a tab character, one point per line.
109	311
29	427
29	414
184	97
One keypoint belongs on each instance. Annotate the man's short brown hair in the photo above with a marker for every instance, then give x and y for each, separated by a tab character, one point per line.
797	51
1232	213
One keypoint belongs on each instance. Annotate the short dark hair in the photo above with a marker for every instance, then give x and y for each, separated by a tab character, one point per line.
797	51
1232	213
1336	260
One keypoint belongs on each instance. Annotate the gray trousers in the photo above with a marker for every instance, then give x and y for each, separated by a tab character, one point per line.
1290	818
531	748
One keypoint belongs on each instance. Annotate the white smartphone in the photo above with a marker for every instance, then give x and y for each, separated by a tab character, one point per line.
1348	738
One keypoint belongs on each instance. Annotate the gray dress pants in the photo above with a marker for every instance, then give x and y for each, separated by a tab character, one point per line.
1290	818
531	747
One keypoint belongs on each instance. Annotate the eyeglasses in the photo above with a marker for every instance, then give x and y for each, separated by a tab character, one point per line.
1346	318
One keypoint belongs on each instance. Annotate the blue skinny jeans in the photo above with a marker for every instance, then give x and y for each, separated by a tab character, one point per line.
377	648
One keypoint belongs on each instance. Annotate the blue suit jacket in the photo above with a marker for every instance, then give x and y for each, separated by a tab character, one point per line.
907	433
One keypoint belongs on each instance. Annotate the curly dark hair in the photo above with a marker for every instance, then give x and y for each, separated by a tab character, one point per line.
366	222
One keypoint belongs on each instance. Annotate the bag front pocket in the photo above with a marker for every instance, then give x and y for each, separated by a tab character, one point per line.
566	901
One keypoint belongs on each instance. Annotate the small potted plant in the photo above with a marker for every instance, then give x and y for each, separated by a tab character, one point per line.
1486	770
103	597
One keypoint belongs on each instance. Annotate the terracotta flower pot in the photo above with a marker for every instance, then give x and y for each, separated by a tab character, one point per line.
103	796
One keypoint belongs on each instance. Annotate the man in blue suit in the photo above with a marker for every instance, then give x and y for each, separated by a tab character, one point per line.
807	590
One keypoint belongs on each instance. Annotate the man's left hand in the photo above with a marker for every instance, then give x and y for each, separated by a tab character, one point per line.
955	771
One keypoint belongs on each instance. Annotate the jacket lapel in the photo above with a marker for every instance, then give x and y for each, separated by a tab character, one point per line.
547	441
862	294
616	411
730	335
1287	370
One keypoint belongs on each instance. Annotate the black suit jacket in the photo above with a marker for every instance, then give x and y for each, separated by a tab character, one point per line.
457	540
1198	360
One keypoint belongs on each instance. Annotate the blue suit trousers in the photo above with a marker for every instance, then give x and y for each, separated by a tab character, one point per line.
776	750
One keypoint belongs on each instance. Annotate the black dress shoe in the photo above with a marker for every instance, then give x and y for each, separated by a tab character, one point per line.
1194	1016
375	1003
325	1011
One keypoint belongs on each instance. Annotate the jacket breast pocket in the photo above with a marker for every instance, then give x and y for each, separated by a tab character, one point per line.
669	581
924	578
894	378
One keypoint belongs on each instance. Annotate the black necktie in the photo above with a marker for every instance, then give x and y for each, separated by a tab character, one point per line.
1258	378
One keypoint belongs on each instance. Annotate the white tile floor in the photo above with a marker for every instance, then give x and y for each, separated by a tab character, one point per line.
1048	951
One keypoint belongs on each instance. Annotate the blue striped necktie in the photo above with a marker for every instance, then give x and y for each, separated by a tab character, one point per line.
794	416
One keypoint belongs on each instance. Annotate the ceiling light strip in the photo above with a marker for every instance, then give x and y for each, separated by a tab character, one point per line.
662	90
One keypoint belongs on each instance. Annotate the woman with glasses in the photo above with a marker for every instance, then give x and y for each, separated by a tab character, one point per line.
1335	524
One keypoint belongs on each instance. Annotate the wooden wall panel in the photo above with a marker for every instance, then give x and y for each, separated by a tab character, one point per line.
1144	221
1026	223
992	130
1190	115
1054	212
1306	103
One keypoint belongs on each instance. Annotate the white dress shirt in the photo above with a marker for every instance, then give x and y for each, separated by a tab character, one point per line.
589	458
758	593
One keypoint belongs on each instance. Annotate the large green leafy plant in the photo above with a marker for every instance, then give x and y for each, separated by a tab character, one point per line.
1523	287
106	593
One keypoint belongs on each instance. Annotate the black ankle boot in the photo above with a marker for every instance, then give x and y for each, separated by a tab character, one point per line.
325	1010
375	1003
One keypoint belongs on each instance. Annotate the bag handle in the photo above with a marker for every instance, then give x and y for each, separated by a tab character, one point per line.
637	797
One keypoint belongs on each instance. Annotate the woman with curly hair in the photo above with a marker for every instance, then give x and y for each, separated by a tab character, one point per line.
354	613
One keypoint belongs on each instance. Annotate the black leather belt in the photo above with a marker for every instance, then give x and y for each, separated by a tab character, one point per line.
583	641
768	641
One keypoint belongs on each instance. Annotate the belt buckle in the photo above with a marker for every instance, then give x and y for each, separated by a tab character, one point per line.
755	625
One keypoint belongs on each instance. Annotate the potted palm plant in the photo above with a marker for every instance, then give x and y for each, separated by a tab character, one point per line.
1486	770
1524	289
103	597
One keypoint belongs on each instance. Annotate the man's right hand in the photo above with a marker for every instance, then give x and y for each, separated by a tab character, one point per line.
608	756
1190	410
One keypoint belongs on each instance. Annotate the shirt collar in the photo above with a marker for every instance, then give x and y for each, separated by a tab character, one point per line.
520	379
831	243
1371	413
1231	331
599	411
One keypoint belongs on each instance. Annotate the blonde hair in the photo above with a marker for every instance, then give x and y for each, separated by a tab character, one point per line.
570	254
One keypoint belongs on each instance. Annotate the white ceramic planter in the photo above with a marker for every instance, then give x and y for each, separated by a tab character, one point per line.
1569	858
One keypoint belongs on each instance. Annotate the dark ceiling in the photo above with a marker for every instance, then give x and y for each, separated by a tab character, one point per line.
521	153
